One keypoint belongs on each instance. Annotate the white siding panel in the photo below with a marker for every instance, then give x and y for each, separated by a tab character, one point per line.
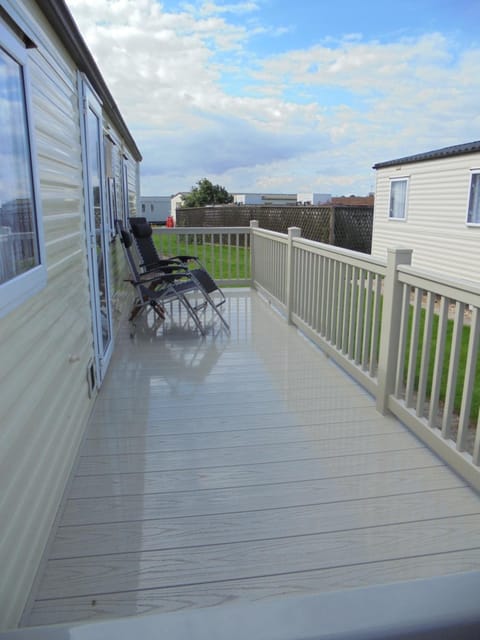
435	227
46	344
44	402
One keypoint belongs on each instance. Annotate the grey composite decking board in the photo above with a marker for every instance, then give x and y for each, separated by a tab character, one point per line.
273	556
141	602
244	467
234	438
125	508
251	474
169	533
125	425
249	454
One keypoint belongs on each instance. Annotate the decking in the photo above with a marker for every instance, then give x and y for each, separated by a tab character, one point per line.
244	467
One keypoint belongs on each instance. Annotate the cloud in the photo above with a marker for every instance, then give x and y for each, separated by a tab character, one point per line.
236	8
201	101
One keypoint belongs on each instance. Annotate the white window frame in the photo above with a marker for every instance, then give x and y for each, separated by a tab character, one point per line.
470	223
405	204
16	291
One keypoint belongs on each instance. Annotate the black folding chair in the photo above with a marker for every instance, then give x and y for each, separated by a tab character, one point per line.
151	262
157	289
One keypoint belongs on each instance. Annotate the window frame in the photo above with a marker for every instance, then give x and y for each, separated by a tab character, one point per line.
403	218
470	223
16	291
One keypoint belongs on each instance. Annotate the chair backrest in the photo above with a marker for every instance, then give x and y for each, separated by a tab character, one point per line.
127	241
142	232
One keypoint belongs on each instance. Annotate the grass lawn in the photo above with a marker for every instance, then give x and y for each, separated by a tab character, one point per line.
461	364
222	261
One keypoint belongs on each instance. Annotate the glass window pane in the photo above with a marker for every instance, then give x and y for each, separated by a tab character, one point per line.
18	234
398	197
474	202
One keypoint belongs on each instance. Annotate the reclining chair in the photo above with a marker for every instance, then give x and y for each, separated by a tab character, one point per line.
151	262
156	289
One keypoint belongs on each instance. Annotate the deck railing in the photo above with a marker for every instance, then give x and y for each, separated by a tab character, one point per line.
225	251
409	337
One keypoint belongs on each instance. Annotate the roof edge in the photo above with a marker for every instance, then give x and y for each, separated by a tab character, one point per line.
59	16
445	152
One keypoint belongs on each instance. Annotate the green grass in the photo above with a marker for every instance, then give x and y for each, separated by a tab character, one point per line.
448	348
222	261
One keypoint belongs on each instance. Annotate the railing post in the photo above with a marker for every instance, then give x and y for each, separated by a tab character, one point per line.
293	232
253	225
390	333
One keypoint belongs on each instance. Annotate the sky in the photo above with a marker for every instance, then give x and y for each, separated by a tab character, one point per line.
286	96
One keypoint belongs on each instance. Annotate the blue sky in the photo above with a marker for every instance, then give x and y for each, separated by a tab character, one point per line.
283	95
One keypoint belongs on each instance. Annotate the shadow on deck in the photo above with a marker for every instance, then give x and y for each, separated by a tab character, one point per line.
244	467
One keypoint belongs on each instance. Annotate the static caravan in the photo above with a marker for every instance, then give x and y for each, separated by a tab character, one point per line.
430	202
156	209
68	169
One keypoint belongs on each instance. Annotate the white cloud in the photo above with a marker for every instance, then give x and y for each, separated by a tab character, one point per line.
201	103
236	8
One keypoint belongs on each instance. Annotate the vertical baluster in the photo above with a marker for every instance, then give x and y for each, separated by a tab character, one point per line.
318	309
341	304
425	358
237	254
360	316
323	310
412	359
476	445
453	369
229	257
346	316
438	362
334	303
367	332
402	343
469	381
328	304
376	320
353	314
220	256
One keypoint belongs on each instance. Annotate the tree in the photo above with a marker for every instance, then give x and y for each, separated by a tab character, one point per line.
205	193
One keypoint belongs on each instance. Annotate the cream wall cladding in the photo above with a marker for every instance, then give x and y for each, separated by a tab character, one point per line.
435	226
46	342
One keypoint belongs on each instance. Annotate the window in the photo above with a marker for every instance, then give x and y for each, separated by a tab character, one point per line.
473	215
22	272
398	199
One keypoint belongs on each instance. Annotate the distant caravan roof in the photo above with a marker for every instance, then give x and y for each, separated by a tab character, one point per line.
456	150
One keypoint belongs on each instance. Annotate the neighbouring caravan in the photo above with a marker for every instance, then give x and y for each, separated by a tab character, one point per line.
68	168
430	202
156	209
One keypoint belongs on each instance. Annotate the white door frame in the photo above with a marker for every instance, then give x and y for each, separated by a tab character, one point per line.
97	225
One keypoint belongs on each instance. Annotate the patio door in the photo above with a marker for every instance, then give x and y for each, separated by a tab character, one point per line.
97	228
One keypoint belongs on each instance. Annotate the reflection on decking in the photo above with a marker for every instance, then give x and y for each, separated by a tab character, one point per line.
244	466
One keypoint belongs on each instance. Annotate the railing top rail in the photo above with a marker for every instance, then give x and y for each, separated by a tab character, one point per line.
267	233
465	291
355	258
201	230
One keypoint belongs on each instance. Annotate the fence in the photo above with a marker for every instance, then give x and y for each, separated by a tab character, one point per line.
409	337
344	226
225	252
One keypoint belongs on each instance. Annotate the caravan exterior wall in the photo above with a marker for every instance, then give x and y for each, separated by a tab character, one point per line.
433	221
155	208
46	339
